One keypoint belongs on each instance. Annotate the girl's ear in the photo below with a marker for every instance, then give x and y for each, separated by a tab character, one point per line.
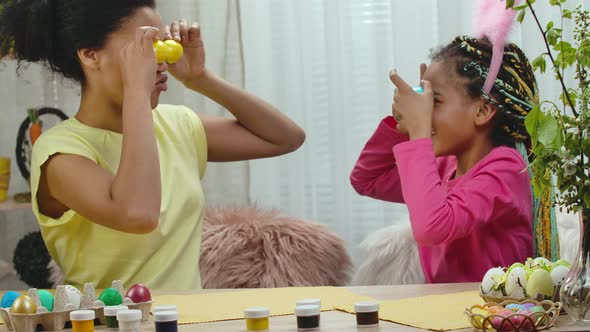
484	114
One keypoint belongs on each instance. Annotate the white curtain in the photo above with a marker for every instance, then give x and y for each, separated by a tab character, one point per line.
325	64
224	183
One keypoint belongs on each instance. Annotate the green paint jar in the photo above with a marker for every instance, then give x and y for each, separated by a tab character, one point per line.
110	315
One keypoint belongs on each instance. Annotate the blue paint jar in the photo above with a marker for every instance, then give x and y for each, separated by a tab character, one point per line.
166	321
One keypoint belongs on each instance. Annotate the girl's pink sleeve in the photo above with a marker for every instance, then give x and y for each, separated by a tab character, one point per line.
375	173
496	187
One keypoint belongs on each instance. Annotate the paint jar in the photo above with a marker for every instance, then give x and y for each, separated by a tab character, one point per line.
367	314
257	319
129	320
317	302
166	321
163	308
110	315
82	320
308	317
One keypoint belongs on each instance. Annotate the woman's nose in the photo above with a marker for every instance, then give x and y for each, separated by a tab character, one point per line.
162	67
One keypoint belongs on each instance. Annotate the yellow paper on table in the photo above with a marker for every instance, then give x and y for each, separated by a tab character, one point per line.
436	312
212	307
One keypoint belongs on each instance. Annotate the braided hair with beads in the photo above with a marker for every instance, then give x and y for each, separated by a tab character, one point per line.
514	92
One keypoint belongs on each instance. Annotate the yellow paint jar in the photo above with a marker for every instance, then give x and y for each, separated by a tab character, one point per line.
4	178
82	320
257	319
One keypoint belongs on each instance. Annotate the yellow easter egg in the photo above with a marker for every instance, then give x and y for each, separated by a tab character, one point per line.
161	51
175	51
478	317
23	305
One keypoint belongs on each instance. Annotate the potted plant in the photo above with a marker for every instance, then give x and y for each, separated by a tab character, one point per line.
560	135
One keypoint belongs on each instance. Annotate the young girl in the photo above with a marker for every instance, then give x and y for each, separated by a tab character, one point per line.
117	189
457	157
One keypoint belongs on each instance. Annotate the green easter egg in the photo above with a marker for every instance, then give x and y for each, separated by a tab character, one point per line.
538	312
110	297
47	299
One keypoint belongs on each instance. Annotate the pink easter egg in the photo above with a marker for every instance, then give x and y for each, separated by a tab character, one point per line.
138	293
501	324
521	322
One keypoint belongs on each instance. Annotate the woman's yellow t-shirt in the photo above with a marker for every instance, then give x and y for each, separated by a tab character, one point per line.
167	258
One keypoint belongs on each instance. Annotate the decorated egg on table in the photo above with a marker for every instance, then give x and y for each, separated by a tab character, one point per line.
496	309
110	297
516	283
539	313
23	305
522	320
47	299
539	282
542	262
500	323
558	273
514	307
514	266
532	265
74	296
561	262
537	309
479	315
138	293
8	298
528	306
493	277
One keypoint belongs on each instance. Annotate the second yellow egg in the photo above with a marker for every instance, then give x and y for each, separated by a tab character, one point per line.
23	305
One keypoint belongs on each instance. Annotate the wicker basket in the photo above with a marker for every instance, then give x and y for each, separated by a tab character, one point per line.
539	298
516	322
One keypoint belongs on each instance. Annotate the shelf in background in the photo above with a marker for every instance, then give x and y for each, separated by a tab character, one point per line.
11	205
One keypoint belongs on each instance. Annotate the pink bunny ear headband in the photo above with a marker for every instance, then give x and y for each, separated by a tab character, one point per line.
494	21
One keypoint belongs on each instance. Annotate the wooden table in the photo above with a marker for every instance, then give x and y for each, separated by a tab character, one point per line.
335	321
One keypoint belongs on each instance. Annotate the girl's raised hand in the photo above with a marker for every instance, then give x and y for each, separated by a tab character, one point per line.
412	110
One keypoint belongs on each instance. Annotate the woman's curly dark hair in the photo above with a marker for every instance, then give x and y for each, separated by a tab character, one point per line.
52	31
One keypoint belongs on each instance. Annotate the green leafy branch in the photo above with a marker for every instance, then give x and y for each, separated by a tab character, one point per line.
560	141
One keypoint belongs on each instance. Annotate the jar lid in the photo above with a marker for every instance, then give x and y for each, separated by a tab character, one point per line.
82	315
129	315
163	308
366	307
257	312
307	310
166	316
309	302
112	310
